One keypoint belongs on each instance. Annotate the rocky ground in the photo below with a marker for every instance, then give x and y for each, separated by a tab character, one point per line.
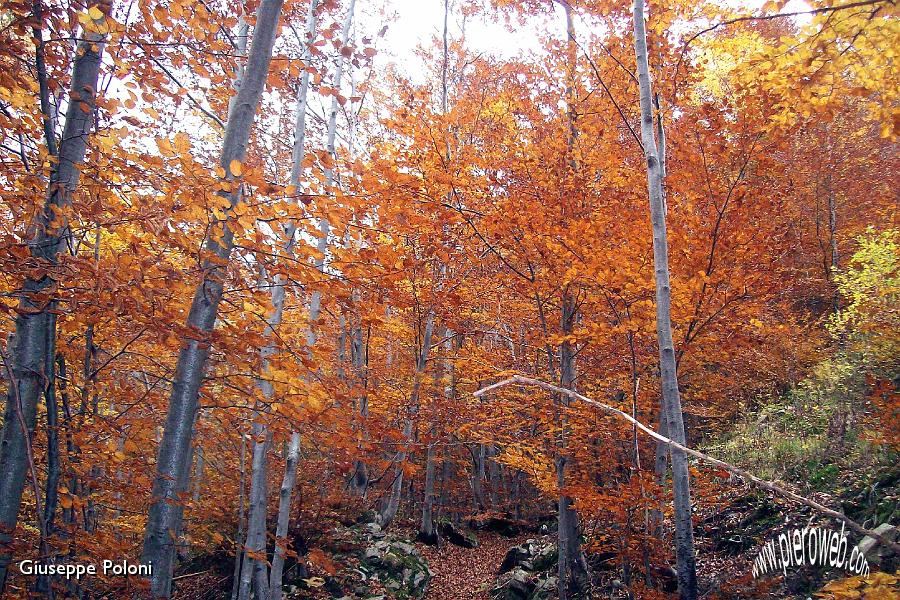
498	560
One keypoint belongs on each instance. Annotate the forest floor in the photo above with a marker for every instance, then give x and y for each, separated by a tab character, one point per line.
467	574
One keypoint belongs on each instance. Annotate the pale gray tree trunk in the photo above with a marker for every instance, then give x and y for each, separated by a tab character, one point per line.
239	539
174	449
284	515
684	536
256	538
31	346
255	546
427	532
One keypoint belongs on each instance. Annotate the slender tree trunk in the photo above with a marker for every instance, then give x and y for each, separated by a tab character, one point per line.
832	237
478	478
253	553
389	511
573	573
427	532
29	348
359	481
284	515
572	566
239	538
174	448
684	536
255	546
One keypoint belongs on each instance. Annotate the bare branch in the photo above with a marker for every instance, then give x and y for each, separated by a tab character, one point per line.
518	379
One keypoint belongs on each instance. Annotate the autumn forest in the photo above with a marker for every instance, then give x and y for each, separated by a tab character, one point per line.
291	311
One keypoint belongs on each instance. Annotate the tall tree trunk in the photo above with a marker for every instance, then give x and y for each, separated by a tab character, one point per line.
427	532
254	554
572	565
284	515
573	572
255	546
389	511
478	478
359	357
35	325
832	237
174	449
239	538
684	535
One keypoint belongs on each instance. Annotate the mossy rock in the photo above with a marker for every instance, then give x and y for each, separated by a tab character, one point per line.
534	555
456	535
398	565
517	584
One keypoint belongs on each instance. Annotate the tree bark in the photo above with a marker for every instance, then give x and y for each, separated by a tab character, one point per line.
684	535
478	478
427	532
389	511
239	538
573	572
284	515
174	448
255	546
35	325
254	554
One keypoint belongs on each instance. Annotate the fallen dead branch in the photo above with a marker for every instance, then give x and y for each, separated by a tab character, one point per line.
768	485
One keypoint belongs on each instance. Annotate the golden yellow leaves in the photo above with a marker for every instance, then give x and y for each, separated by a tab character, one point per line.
878	586
235	168
94	20
180	146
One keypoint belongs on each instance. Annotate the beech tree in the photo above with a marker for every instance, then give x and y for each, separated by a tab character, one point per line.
173	462
31	358
671	401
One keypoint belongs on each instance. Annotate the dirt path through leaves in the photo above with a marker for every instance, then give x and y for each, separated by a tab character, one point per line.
463	574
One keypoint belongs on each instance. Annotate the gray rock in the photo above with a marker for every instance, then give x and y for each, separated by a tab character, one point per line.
517	585
546	589
876	552
406	548
371	553
531	555
545	558
399	565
